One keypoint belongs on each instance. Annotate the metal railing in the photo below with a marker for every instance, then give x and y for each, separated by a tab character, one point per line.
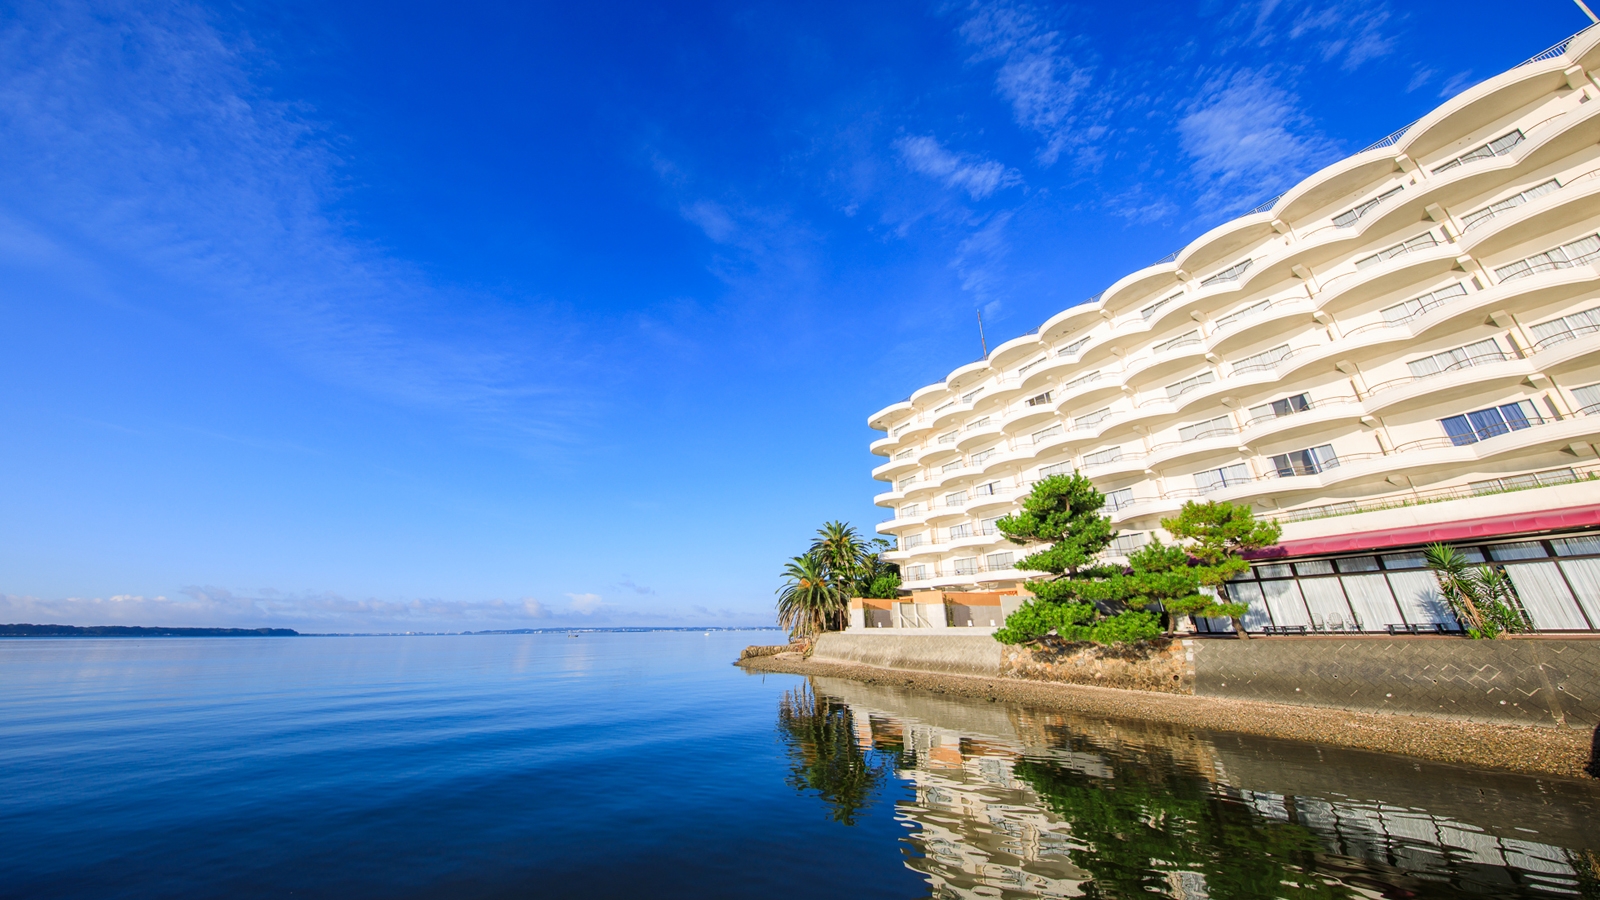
1457	366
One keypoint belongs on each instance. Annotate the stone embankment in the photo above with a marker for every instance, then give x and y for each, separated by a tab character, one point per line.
1439	702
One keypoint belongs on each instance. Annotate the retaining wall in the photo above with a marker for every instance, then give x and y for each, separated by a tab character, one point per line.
1525	681
956	654
1531	682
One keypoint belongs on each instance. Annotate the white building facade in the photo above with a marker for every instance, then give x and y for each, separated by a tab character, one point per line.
1403	348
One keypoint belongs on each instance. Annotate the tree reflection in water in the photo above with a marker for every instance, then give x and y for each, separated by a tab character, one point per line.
1011	803
825	755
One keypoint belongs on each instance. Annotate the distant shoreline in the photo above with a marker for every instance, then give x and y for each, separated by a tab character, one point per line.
138	631
25	630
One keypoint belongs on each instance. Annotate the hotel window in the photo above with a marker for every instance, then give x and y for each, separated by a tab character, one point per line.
943	407
1217	479
1240	315
981	455
905	453
1116	500
914	540
1057	469
916	573
1351	216
1277	409
978	423
1519	482
1261	361
1040	399
967	397
1150	310
1487	423
1081	380
1090	420
958	498
1496	147
1588	399
951	467
987	490
1126	544
1305	462
998	562
1024	369
1210	428
1416	306
1477	217
910	509
1073	348
904	483
1460	358
948	437
1103	457
960	531
1231	273
1179	388
988	528
966	565
1420	242
1182	340
1577	253
1046	434
1566	328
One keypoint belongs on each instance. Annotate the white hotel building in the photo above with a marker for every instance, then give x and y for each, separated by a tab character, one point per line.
1403	348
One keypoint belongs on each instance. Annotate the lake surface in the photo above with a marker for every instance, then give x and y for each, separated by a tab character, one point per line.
644	765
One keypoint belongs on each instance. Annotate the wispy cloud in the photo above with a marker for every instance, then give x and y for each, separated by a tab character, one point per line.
1036	75
977	176
1248	139
1350	32
586	604
139	155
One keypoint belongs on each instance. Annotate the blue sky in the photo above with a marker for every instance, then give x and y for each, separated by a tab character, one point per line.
372	317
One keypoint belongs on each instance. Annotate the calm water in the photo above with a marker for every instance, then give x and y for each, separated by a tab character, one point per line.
645	765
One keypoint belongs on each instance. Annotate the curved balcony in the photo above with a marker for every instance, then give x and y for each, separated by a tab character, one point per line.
1551	213
1460	381
976	437
1131	460
1215	442
1319	413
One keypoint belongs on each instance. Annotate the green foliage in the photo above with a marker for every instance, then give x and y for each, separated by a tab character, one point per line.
1038	618
809	602
884	587
1480	595
1064	512
1218	534
1076	622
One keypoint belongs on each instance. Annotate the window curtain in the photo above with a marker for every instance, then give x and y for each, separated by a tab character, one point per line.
1545	596
1372	601
1420	600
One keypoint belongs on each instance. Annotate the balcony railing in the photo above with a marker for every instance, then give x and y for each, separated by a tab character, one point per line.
1460	364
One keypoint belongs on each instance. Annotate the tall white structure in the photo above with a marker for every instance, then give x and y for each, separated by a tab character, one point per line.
1403	348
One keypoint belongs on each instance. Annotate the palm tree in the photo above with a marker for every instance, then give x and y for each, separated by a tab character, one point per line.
838	546
809	603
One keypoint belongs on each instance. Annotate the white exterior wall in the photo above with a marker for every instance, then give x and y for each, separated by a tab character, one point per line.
1092	389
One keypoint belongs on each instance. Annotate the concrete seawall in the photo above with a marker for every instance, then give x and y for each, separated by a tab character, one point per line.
952	654
1548	682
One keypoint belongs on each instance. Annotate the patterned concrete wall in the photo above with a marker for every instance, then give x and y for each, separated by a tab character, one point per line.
1533	682
958	654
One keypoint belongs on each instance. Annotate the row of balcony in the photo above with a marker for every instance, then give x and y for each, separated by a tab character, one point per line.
1235	276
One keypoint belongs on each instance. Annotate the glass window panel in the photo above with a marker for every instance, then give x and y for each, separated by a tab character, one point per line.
1588	396
1420	600
1471	554
1256	616
1372	601
1325	601
1283	600
1545	596
1274	570
1314	567
1405	561
1584	576
1588	545
1523	550
1358	564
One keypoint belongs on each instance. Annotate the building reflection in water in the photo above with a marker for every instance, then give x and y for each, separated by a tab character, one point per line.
1004	802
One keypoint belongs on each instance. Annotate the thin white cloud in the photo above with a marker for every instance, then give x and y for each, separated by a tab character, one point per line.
1036	75
977	176
1248	139
1350	32
137	152
586	604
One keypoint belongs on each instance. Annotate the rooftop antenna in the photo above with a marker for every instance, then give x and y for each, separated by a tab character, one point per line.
1587	11
981	339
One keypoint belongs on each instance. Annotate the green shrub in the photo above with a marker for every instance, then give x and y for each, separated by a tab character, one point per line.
1038	618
